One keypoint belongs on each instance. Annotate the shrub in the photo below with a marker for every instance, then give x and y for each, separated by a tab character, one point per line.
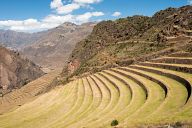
178	124
114	123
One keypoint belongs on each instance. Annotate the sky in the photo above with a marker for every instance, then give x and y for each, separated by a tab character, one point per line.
38	15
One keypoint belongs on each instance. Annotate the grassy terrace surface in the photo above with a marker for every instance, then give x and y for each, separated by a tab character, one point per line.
93	107
176	97
104	102
177	65
176	60
122	111
27	93
156	96
186	68
123	99
186	112
149	93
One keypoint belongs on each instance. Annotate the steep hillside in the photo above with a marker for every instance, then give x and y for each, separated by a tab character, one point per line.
53	49
16	40
15	71
126	40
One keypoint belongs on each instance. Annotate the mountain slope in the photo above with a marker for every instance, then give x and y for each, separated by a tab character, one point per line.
125	40
16	40
53	49
15	70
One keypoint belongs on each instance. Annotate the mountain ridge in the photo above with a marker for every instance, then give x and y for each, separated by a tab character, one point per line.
17	40
53	49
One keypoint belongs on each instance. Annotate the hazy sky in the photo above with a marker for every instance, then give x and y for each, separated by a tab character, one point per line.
37	15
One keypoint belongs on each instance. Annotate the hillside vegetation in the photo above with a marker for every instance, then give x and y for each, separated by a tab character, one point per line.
124	41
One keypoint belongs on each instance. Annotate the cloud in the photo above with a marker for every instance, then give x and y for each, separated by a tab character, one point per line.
116	14
68	8
60	8
190	2
64	9
50	21
64	14
87	1
24	25
86	17
56	4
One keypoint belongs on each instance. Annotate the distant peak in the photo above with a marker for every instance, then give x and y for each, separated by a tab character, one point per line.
68	24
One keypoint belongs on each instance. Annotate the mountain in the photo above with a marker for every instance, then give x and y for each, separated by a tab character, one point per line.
15	70
54	48
127	40
16	40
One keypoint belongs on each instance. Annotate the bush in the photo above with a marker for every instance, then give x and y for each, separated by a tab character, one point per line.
114	123
178	124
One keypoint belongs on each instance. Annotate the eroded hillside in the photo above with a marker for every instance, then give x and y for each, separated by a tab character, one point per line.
15	70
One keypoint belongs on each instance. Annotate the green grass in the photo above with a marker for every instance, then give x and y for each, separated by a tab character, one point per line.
138	99
96	101
176	98
87	102
34	111
73	108
186	112
115	100
156	96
